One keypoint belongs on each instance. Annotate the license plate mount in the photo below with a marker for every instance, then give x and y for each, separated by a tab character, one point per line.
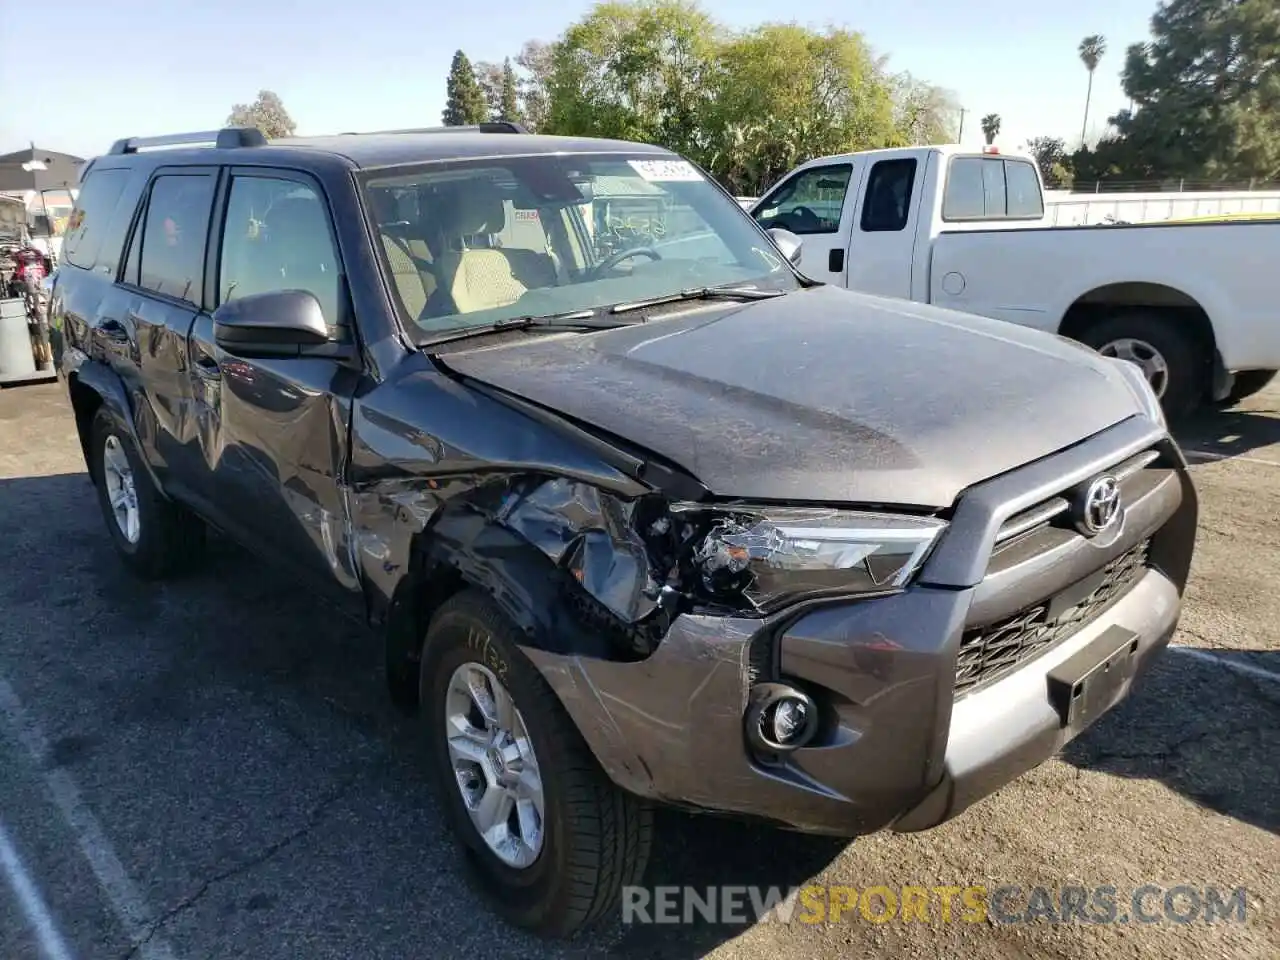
1088	683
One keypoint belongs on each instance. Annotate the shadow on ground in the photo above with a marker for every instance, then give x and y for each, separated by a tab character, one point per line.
240	743
1229	433
1209	733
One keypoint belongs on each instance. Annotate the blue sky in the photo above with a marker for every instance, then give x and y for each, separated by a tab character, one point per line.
140	67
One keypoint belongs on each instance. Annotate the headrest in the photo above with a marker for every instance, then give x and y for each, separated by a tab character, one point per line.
385	208
474	206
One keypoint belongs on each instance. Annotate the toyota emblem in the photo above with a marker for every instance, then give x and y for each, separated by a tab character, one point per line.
1100	506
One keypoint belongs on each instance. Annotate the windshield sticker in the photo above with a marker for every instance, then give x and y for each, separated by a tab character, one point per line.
665	171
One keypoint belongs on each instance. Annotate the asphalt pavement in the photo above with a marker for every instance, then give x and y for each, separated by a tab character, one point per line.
210	768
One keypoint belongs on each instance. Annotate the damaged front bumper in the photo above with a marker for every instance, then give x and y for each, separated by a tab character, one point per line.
894	751
1016	636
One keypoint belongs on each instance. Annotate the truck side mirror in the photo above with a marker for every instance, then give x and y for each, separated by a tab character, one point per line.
788	243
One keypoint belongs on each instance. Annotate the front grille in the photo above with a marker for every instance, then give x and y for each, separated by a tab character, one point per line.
988	653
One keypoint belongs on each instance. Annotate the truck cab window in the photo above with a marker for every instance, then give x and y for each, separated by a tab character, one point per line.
966	196
808	203
888	202
1023	187
991	188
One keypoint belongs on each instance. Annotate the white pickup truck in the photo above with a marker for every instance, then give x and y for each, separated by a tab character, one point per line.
1195	305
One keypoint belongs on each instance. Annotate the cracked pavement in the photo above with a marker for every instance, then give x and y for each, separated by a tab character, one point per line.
235	745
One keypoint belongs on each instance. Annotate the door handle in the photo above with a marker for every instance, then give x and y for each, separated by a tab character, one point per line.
835	260
207	367
113	329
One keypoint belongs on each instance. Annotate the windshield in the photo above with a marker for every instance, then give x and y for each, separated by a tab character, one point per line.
470	244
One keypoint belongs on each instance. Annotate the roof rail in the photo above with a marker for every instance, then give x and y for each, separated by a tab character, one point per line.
489	126
225	139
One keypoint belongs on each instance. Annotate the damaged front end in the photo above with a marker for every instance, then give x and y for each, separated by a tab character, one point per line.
655	616
649	560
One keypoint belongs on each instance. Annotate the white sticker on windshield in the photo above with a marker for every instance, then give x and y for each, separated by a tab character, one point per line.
660	171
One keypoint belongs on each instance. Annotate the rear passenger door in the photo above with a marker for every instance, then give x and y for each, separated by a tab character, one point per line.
274	430
160	293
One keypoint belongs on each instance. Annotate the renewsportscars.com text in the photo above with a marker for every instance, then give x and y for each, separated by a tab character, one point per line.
1008	903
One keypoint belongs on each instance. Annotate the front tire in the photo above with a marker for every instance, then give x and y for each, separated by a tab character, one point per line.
560	840
155	536
1174	361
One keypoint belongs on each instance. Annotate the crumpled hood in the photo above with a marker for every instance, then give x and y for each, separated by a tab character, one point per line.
822	395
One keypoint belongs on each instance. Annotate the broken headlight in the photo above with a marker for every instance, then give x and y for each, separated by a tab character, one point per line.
771	554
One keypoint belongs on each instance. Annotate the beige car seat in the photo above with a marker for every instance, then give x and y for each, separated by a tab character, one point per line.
482	278
408	256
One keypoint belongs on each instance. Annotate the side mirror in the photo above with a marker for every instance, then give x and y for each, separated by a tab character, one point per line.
788	243
276	323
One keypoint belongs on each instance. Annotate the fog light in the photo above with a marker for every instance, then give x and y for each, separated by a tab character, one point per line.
780	718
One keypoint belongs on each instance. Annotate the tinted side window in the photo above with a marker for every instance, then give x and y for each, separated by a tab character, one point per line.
888	203
173	237
1024	189
99	194
966	197
277	237
809	202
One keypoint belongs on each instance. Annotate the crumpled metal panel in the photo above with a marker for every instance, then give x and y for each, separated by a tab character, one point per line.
591	534
661	725
669	727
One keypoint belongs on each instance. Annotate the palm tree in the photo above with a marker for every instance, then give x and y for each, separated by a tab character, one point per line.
991	127
1092	49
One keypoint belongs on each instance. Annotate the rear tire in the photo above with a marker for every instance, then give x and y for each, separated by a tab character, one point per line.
1247	383
1178	354
594	839
155	536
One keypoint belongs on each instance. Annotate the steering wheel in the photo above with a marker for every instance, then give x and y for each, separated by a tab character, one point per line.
804	217
611	261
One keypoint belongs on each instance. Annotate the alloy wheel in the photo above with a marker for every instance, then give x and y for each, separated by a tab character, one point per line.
494	765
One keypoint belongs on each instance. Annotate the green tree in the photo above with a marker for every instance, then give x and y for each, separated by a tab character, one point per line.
1051	157
991	127
466	103
509	94
1206	94
785	93
922	113
267	113
535	62
1091	50
638	71
489	76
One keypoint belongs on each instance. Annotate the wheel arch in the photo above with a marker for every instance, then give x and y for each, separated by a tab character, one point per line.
1109	299
93	386
466	548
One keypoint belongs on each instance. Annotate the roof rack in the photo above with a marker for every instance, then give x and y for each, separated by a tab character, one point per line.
225	139
489	126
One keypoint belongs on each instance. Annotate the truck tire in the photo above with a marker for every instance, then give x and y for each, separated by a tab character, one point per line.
1175	362
155	536
559	855
1247	383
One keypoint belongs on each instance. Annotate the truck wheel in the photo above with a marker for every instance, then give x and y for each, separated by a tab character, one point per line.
550	839
1247	383
155	536
1175	364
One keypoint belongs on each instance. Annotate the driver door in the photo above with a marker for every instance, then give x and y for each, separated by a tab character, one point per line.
809	203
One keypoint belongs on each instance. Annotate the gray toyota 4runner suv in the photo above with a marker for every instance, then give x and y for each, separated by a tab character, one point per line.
641	514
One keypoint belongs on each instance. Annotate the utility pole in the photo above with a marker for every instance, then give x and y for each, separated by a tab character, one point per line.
960	138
